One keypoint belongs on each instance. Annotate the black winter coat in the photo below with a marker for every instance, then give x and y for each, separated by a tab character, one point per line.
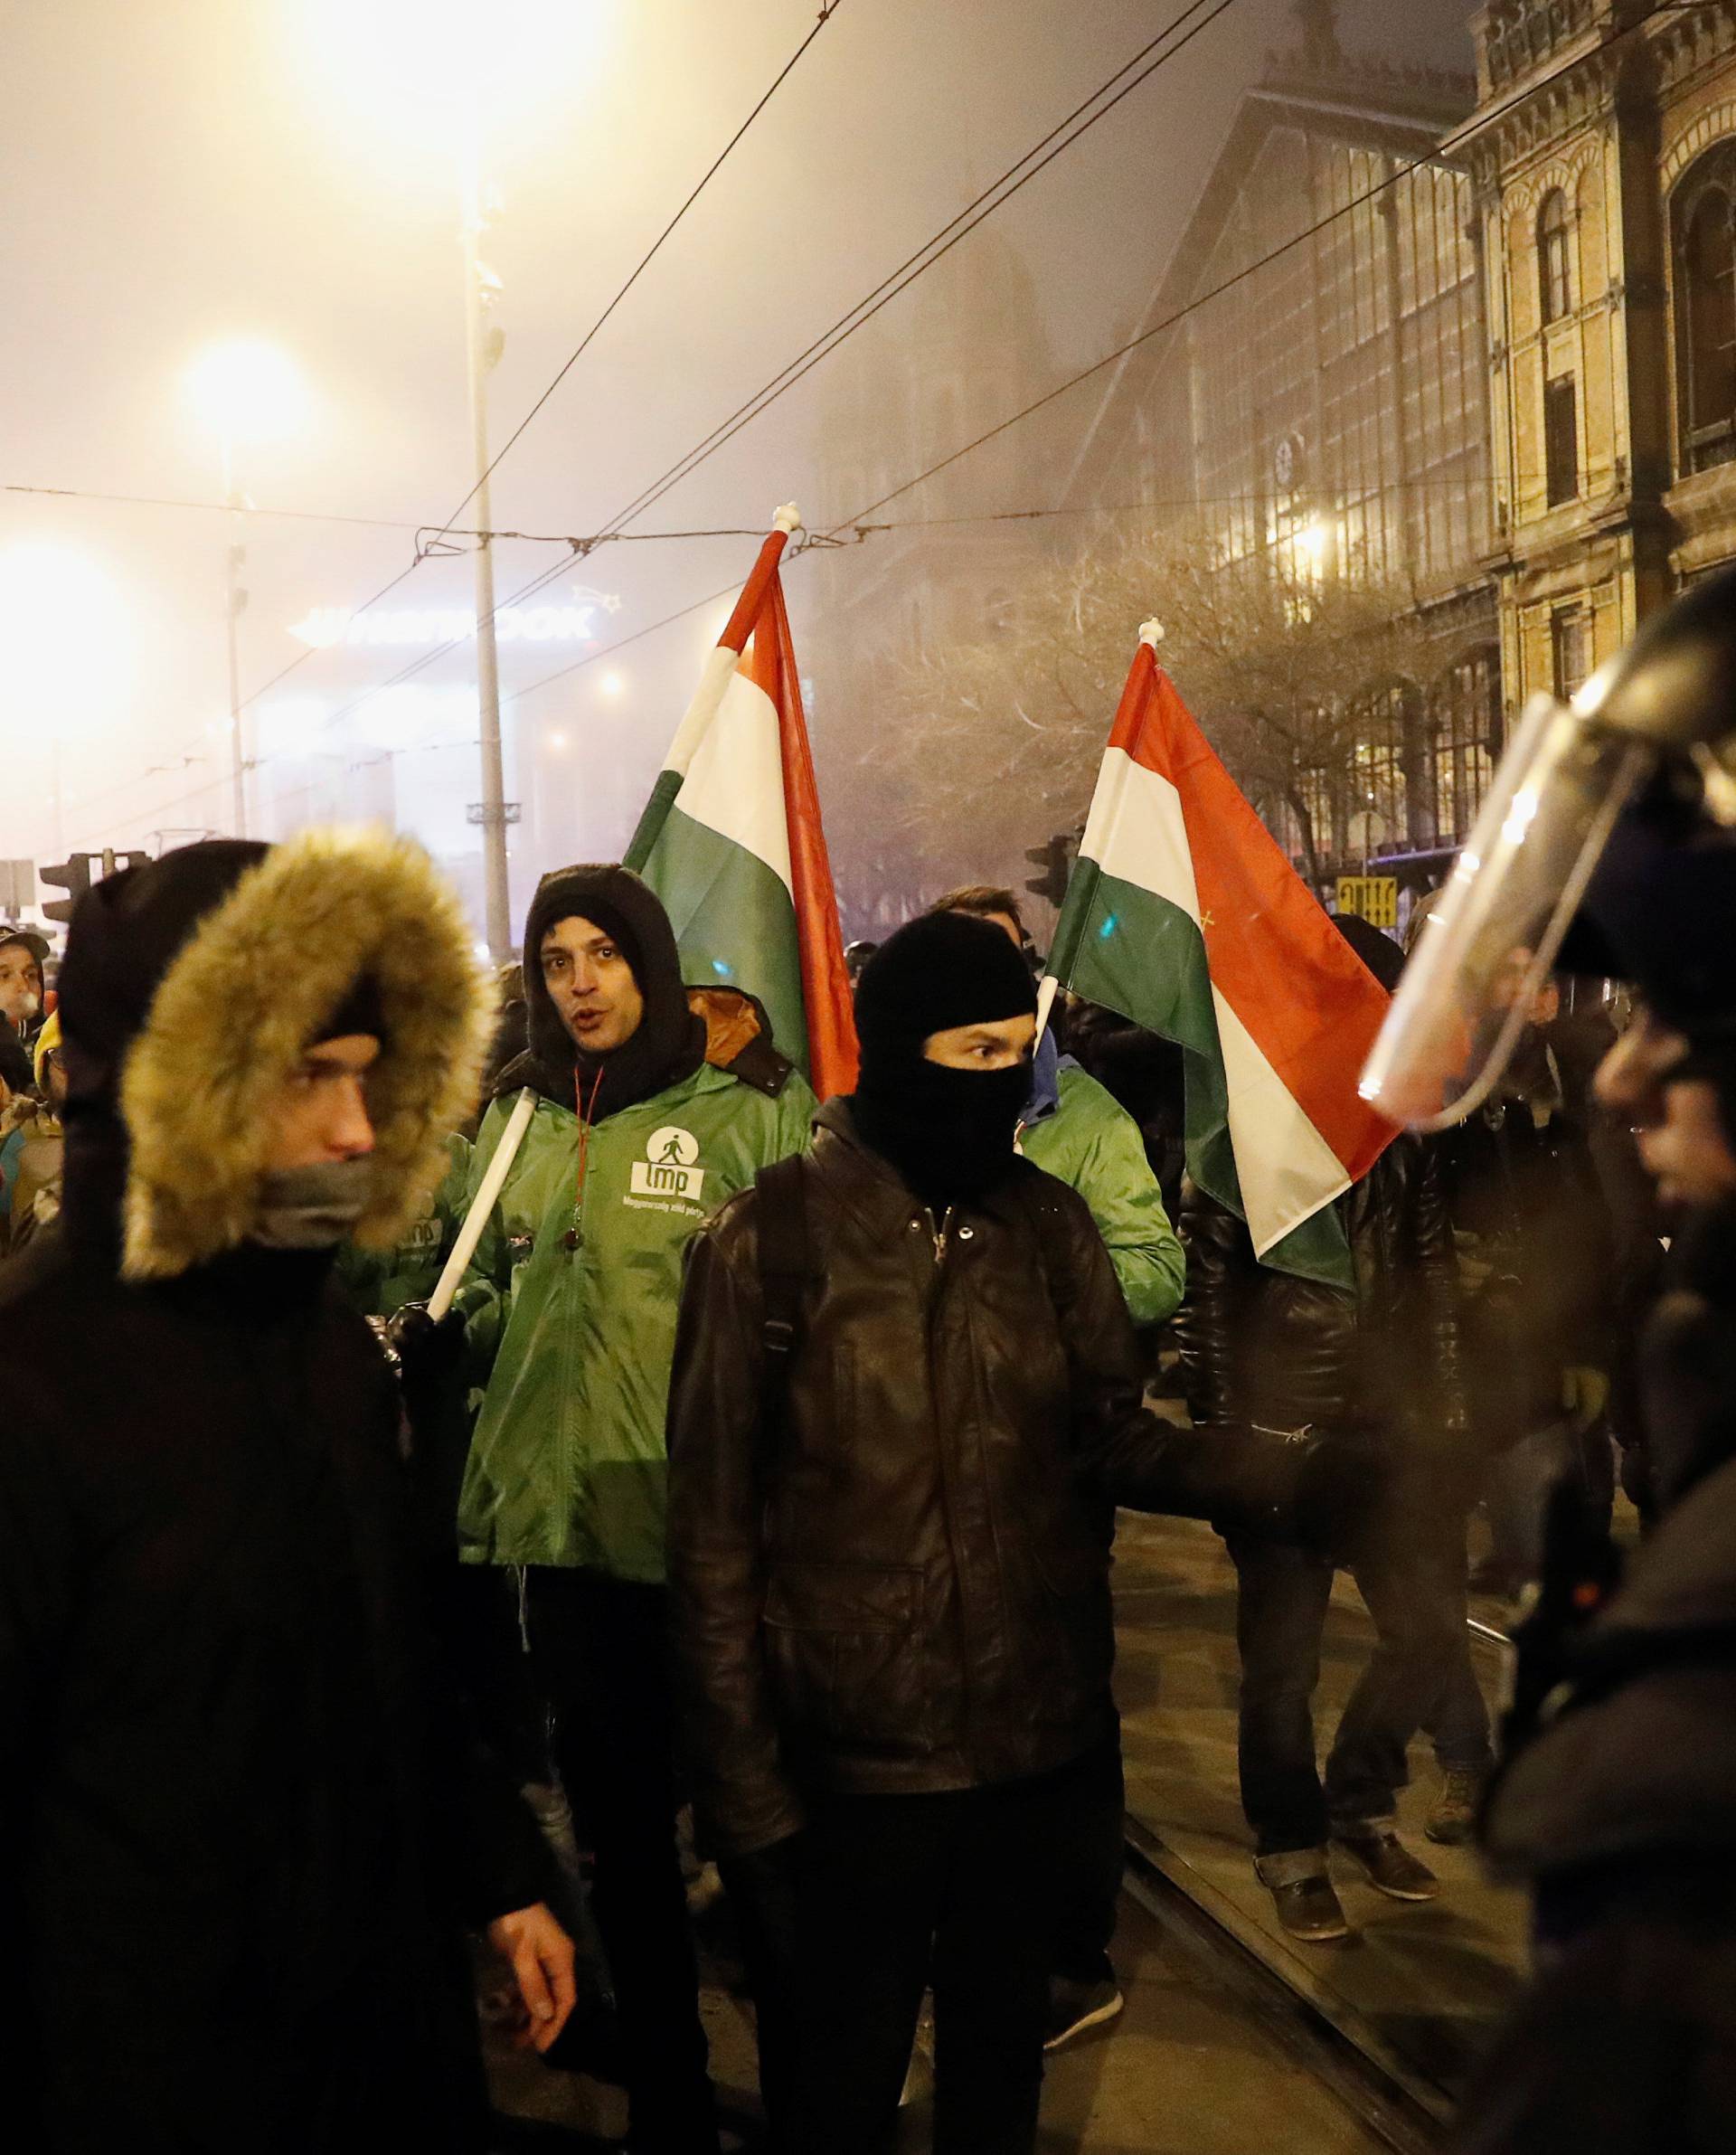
905	1588
237	1826
1268	1348
1623	1810
240	1823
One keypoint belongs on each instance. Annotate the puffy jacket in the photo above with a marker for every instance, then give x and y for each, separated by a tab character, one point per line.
567	1466
1092	1145
900	1584
1268	1348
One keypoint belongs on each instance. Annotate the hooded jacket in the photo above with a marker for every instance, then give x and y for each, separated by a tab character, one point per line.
572	1294
240	1821
1074	1131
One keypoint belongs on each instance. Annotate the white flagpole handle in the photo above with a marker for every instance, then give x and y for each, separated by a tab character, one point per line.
1047	989
476	1218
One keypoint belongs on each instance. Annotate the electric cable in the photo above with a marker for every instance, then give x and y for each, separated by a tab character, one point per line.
1438	154
932	250
829	9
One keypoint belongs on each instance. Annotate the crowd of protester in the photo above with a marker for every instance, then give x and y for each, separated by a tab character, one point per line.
766	1461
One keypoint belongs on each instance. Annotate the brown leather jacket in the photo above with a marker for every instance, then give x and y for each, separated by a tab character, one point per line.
906	1587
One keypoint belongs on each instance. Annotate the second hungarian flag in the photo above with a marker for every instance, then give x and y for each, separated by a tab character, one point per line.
1185	915
731	838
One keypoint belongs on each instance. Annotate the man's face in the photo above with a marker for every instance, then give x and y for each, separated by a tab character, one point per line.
1683	1140
321	1114
995	1045
21	983
591	986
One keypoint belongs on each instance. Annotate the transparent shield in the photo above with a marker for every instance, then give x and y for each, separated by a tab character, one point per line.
1493	930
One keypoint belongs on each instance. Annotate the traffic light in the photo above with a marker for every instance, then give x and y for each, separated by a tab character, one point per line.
73	876
75	873
1055	858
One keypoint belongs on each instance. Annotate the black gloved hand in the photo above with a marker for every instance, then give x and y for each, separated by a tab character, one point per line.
427	1349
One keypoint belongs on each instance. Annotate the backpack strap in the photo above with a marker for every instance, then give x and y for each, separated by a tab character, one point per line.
786	1267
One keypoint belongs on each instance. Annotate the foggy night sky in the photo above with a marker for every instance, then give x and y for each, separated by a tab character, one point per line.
178	171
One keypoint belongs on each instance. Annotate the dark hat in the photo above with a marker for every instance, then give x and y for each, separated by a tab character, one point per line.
37	945
1377	950
942	970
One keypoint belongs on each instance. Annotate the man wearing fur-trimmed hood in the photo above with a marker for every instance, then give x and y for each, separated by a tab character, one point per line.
653	1102
240	1826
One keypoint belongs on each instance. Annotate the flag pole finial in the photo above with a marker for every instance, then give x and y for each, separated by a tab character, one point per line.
1151	632
787	518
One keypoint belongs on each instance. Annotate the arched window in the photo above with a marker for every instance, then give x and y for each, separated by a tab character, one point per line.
1703	215
1554	280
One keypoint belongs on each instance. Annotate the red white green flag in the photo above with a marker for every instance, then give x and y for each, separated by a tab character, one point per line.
1185	915
731	838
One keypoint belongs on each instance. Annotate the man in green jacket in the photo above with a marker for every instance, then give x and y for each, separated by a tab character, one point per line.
652	1105
1074	1129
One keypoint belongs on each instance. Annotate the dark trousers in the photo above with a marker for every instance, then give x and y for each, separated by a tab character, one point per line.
889	1896
1096	1855
1418	1676
600	1649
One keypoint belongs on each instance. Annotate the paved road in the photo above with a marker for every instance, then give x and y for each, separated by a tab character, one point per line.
1188	2070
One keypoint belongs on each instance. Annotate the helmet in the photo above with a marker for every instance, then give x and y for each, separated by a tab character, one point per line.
1614	817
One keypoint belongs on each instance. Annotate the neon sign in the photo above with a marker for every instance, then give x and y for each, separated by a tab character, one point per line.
572	622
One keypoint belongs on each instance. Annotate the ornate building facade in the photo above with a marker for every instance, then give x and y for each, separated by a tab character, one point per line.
1321	400
1603	154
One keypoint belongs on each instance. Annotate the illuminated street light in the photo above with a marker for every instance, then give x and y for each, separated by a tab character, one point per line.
611	685
247	391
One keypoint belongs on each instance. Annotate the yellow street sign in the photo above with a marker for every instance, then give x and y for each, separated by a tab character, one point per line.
1375	898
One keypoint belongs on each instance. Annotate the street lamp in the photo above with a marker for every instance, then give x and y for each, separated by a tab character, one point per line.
245	392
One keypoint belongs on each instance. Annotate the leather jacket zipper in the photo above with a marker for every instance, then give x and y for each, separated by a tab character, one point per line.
938	1235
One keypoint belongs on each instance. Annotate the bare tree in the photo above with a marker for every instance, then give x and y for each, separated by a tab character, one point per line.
1291	665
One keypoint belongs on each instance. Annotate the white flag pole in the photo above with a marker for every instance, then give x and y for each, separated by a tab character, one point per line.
476	1218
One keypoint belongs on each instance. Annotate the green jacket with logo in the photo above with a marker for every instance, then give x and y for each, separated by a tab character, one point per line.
1092	1144
574	1294
380	1281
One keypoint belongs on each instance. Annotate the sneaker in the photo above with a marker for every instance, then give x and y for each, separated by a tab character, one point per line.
1074	2007
1453	1821
1390	1866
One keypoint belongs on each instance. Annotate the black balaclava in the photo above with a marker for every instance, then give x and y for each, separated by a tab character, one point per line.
948	1132
670	1043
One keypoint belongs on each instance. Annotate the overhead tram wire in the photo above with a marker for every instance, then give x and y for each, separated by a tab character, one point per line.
932	251
829	9
1447	143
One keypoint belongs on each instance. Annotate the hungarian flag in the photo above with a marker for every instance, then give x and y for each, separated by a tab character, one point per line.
731	838
1183	914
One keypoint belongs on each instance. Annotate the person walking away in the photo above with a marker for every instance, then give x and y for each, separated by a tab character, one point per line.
906	1401
652	1105
1267	1348
242	1823
1073	1129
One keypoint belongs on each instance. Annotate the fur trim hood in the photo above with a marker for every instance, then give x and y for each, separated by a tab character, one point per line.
245	986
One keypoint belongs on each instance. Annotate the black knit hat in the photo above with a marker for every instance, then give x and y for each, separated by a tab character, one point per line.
945	969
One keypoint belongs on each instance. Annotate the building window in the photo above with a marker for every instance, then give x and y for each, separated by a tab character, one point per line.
1569	634
1703	215
1562	439
1555	290
1466	726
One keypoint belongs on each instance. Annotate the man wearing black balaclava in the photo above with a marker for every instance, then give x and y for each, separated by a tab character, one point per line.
891	1495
